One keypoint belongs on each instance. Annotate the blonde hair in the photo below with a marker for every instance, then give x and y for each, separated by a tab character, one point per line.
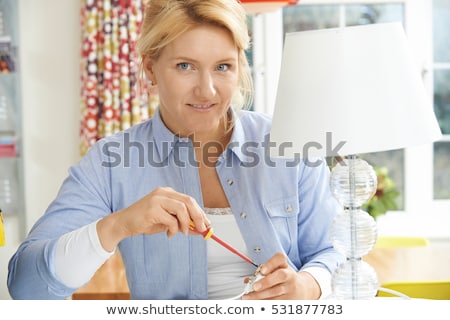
166	20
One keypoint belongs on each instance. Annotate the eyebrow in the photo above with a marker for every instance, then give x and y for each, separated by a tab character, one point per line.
183	58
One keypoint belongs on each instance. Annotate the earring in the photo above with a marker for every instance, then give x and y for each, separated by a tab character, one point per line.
150	83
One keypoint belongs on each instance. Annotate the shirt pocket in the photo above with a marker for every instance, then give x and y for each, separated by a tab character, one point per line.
283	215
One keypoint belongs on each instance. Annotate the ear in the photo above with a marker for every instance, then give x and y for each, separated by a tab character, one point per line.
148	63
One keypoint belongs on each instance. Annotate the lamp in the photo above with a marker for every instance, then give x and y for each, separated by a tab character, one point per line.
343	92
262	6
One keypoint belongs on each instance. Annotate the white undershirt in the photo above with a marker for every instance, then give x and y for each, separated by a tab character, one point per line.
79	254
226	271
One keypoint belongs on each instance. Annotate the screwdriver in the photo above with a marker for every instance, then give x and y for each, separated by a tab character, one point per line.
209	233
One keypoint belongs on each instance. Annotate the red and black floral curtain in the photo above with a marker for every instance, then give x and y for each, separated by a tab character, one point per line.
110	98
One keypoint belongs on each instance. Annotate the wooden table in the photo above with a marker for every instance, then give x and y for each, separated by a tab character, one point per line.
391	264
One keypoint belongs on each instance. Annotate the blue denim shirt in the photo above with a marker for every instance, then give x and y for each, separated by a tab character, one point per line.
280	205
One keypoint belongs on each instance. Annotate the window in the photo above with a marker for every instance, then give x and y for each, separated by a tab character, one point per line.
309	17
421	173
441	71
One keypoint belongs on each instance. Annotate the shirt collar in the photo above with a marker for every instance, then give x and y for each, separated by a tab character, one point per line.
237	138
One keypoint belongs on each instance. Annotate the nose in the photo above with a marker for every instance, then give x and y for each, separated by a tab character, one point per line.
205	87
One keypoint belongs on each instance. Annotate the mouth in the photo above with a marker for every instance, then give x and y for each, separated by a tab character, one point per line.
201	106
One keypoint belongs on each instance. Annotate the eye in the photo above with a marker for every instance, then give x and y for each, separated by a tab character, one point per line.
184	66
223	67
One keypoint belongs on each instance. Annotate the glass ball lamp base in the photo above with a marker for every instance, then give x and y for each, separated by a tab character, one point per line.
354	233
355	280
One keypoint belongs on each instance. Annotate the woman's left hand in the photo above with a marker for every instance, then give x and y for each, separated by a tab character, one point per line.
282	282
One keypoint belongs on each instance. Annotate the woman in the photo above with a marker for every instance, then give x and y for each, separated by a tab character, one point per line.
198	159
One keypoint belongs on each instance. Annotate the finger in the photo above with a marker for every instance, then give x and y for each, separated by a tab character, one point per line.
196	214
271	280
164	221
275	272
278	261
275	292
186	209
191	211
178	211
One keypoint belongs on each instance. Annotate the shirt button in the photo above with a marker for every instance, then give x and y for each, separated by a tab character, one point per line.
243	215
257	249
288	208
230	182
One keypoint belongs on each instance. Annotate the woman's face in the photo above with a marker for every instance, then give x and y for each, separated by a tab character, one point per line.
197	76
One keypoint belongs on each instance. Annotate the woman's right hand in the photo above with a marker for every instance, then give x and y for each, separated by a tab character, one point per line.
162	210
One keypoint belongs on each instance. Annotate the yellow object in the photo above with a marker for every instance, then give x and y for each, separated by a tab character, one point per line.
436	290
206	234
2	231
399	242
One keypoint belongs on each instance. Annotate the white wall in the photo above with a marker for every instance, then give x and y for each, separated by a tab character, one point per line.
49	56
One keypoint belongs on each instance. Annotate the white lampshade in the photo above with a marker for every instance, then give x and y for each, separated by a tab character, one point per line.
358	83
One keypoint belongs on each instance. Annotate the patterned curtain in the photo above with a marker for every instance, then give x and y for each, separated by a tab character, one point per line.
110	97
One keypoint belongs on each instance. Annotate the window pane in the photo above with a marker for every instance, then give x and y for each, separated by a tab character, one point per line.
442	98
441	40
302	18
441	36
442	170
376	13
249	52
392	160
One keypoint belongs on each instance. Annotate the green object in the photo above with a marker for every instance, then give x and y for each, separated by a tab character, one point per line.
385	196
